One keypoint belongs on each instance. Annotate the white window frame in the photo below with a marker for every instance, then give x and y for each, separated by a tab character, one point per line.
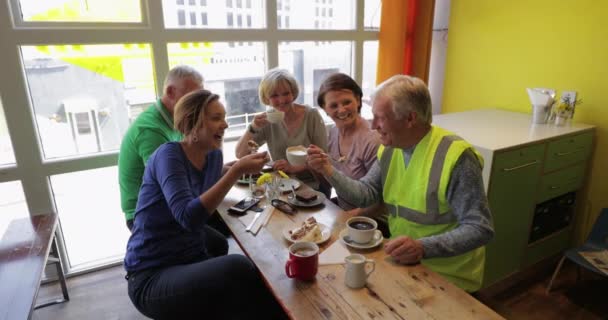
31	168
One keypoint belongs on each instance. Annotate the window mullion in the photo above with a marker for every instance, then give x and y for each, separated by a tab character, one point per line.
272	44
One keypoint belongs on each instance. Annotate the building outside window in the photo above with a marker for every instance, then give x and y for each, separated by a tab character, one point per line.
74	100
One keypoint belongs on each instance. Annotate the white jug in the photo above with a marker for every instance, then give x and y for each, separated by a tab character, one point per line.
356	277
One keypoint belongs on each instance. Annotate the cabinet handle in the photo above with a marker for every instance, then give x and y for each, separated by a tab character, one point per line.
561	154
553	187
521	166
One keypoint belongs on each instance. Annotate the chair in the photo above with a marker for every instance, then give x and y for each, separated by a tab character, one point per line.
597	240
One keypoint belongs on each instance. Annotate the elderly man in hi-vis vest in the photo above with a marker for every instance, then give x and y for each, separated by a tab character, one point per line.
430	181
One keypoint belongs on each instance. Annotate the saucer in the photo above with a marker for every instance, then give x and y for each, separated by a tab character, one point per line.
325	233
376	240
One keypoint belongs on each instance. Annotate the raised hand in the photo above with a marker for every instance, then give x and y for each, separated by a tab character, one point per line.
251	164
319	161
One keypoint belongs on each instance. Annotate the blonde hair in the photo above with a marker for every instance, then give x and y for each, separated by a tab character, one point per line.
188	110
273	79
407	94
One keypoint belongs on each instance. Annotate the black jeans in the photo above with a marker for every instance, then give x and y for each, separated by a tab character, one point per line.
227	287
217	244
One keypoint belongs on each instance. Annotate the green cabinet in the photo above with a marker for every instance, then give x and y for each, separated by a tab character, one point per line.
515	177
525	165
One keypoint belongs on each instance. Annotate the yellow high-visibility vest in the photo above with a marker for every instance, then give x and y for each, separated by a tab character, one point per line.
416	198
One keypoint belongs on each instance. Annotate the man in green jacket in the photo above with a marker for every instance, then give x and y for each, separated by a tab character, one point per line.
152	128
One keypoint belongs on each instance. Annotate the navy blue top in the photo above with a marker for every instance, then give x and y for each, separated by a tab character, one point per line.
169	217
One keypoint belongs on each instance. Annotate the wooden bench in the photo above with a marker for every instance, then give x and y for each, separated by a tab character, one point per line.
24	253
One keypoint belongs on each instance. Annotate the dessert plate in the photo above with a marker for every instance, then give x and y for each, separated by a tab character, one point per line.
320	198
286	184
372	244
325	233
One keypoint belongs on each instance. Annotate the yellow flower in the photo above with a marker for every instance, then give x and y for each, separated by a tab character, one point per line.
265	178
283	174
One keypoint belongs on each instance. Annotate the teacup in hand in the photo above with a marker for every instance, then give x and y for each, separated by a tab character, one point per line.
361	229
296	155
303	261
274	116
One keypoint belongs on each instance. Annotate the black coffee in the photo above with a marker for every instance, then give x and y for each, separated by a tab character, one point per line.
361	225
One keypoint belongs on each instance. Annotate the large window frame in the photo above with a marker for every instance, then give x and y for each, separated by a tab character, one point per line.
31	168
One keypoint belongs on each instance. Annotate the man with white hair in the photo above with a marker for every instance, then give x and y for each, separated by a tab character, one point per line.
152	128
430	181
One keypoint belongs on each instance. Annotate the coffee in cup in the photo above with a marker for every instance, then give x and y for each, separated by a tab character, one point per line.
296	155
303	261
361	229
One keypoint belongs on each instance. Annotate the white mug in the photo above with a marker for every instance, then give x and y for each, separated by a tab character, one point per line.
356	277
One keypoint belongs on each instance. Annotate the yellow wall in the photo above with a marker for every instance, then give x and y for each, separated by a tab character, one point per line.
496	49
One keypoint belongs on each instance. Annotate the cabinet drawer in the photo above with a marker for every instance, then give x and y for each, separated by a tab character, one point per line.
547	247
568	150
518	159
560	182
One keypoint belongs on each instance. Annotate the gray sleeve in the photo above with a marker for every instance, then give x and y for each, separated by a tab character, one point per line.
363	192
467	200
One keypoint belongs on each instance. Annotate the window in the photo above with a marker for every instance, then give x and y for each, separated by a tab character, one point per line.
83	95
310	62
236	13
89	225
81	11
372	12
181	17
319	15
370	61
7	155
12	204
232	71
73	95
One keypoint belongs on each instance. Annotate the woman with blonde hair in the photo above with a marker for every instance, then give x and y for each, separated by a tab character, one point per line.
301	125
170	273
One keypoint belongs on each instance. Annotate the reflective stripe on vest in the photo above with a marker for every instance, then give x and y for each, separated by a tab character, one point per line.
433	216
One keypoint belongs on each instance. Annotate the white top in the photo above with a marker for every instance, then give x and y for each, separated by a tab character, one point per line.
495	129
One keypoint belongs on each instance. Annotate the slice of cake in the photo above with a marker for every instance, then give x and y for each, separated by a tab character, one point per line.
306	195
308	231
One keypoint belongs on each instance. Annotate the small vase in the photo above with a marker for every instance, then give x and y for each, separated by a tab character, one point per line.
560	120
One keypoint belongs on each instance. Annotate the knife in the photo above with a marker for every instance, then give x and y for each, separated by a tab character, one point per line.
255	218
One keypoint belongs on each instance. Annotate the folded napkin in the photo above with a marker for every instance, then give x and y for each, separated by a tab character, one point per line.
335	254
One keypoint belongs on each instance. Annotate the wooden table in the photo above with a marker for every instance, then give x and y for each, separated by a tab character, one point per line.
393	291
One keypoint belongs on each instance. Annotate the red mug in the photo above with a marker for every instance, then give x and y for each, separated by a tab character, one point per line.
303	261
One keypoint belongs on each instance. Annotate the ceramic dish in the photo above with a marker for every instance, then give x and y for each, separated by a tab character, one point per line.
286	184
325	233
319	200
372	244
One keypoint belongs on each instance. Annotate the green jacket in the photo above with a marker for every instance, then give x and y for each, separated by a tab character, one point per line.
152	128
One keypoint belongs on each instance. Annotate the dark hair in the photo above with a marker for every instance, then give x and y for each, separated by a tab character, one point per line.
188	109
337	82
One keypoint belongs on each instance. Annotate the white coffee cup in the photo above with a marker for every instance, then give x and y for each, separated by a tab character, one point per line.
296	155
361	229
275	116
355	276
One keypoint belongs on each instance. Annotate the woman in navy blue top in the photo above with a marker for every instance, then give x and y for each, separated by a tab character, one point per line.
169	270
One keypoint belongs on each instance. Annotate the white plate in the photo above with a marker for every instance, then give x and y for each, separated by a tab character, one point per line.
376	240
325	233
320	198
285	185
